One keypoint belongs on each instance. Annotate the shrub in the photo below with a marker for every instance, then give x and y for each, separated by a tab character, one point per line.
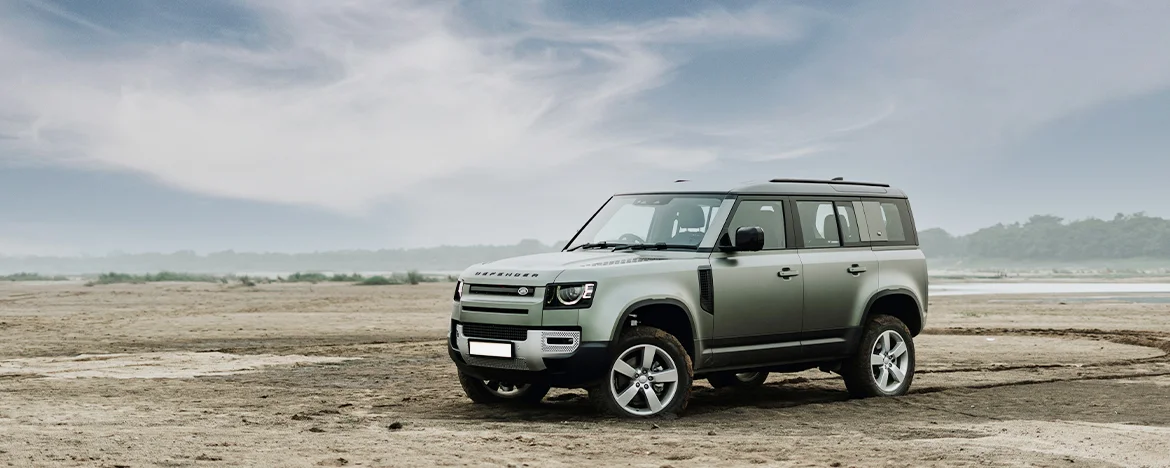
414	277
344	278
307	278
32	277
163	276
380	281
322	278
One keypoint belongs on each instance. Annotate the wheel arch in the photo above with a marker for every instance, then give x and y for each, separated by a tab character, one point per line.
895	302
670	315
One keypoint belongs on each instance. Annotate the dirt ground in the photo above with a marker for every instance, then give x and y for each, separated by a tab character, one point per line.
337	375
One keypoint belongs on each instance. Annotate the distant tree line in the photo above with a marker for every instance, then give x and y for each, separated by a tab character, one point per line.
432	259
1046	238
1051	238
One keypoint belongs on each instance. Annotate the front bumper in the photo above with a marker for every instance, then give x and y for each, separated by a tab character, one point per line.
563	361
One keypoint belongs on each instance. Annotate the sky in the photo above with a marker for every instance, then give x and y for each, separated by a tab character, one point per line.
302	125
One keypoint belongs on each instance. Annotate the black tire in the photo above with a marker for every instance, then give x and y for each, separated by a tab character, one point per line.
859	370
488	393
602	395
741	379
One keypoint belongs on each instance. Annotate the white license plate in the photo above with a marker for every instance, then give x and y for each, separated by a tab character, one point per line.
486	348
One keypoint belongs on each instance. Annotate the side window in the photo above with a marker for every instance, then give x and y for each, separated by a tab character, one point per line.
818	224
767	215
895	222
886	220
850	225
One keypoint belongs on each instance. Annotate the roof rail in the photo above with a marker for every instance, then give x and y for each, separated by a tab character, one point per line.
835	181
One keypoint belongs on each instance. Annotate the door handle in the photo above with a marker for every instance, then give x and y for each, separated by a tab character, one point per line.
856	269
787	273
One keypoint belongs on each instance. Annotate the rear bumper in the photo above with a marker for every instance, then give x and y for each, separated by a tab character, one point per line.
579	365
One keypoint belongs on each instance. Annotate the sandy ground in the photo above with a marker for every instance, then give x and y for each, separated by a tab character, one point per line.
335	375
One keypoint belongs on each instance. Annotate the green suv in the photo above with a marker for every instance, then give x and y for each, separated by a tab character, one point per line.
727	284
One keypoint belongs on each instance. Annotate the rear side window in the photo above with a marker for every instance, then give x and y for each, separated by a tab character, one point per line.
889	221
818	224
850	225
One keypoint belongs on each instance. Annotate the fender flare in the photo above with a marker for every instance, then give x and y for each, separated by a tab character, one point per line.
892	292
625	316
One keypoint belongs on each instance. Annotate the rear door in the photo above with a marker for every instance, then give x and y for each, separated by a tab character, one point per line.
840	272
895	243
759	296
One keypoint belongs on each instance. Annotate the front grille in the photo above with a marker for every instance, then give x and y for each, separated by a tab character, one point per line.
493	290
706	290
498	363
494	310
495	332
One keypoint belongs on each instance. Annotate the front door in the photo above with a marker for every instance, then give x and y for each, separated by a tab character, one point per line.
759	296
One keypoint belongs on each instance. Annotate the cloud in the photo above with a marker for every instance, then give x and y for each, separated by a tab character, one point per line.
65	15
350	106
944	84
350	103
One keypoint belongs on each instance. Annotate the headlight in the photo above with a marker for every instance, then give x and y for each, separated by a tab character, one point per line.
569	296
458	290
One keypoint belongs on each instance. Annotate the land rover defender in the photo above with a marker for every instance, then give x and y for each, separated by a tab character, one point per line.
660	288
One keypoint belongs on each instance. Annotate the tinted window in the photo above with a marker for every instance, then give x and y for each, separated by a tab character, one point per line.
847	219
888	220
818	224
767	215
894	222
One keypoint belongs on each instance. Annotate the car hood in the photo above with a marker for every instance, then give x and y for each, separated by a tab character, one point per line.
541	269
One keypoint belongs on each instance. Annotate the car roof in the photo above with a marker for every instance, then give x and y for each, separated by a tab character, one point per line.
778	187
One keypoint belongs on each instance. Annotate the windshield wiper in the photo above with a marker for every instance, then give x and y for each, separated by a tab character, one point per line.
658	246
596	245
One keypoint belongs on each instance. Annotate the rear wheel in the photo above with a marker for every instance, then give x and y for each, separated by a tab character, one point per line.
883	364
498	392
742	379
649	375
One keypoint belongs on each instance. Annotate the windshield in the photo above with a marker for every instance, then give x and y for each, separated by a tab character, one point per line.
673	220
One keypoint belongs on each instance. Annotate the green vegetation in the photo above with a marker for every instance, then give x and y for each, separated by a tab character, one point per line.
410	277
380	281
414	277
446	259
306	278
165	276
1051	239
1132	241
31	277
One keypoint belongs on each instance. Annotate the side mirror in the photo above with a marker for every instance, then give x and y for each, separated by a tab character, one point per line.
747	239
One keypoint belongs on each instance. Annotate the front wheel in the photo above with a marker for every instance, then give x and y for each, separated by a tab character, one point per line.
498	392
649	375
884	362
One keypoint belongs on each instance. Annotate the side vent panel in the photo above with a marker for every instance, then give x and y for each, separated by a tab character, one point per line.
706	290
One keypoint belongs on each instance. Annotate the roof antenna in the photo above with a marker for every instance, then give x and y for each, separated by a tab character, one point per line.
840	179
681	180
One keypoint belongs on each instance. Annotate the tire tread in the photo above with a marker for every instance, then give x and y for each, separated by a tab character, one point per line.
856	370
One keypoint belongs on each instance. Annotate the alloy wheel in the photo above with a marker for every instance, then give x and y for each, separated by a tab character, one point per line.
889	361
644	380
